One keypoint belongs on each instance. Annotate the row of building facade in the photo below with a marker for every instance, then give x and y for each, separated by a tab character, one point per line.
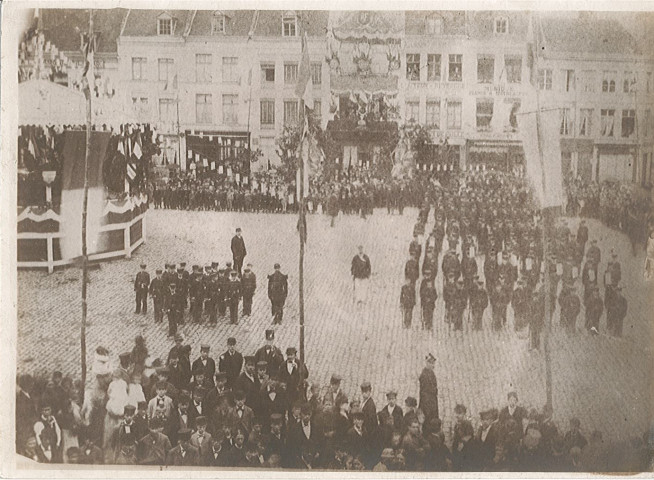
217	82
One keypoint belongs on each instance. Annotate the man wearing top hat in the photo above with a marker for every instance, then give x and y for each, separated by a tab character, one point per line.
270	353
231	363
158	293
429	389
277	292
293	373
141	285
238	250
248	382
125	438
205	364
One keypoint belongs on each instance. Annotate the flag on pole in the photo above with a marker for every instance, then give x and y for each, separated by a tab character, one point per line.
539	132
88	49
138	153
131	171
304	87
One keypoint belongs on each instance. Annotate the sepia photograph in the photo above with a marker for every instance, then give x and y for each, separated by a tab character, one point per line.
247	240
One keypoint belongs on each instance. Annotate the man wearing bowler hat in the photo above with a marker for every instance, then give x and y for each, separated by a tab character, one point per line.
293	373
231	362
277	292
270	353
141	285
205	364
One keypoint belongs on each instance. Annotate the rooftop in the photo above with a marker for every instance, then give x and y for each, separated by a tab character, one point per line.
63	27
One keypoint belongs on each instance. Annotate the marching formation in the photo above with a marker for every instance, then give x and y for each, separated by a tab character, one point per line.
488	228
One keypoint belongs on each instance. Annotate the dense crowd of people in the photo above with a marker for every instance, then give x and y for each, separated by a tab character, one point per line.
261	411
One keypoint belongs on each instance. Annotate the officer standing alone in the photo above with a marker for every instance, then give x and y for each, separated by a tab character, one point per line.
141	286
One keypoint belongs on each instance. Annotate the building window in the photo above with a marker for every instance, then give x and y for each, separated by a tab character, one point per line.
267	73
140	106
501	25
290	112
456	68
454	114
413	67
568	80
316	73
629	82
485	68
290	73
165	69
412	111
165	26
317	109
289	25
218	24
139	65
434	67
166	109
434	113
434	25
484	114
567	123
230	109
647	123
267	113
608	122
203	108
585	122
608	82
628	123
230	70
588	81
513	114
203	68
544	79
513	67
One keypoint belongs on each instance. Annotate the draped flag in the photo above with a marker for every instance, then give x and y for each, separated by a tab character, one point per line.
539	132
88	50
304	87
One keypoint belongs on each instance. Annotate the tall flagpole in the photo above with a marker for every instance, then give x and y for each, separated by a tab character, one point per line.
303	232
85	272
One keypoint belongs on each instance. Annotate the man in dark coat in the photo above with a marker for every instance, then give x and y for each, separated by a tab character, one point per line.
248	287
305	435
488	436
293	373
233	296
205	364
231	363
184	454
277	292
238	250
478	303
594	308
514	412
428	298
429	389
153	447
570	307
270	354
196	291
248	383
412	270
360	271
392	414
616	311
141	286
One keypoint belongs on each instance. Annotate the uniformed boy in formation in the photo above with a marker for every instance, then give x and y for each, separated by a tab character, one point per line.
248	287
234	296
173	308
158	293
407	302
277	292
616	310
478	303
196	294
141	285
428	298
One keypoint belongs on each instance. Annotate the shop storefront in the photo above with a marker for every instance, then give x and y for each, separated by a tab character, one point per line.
616	163
577	158
506	156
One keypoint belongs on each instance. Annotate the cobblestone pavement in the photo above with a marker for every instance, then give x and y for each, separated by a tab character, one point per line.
604	381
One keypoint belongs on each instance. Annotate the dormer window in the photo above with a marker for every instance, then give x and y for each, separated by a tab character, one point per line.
434	25
165	25
501	25
289	24
218	23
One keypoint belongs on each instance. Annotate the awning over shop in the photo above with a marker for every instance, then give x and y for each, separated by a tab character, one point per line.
46	103
370	84
347	130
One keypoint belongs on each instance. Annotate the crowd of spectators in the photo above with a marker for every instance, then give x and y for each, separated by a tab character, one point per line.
255	413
